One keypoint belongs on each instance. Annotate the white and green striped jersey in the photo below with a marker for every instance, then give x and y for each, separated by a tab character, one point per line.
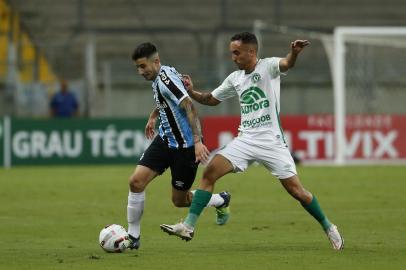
259	94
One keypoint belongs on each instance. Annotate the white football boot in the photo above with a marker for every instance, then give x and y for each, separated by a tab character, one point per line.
335	238
179	229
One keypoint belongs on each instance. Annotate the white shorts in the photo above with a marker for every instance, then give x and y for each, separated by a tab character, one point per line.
271	152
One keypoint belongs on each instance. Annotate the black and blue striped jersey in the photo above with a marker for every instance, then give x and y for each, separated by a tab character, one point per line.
169	91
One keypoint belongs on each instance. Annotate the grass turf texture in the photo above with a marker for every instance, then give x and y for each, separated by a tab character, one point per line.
50	218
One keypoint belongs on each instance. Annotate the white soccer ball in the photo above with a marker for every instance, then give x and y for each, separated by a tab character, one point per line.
114	238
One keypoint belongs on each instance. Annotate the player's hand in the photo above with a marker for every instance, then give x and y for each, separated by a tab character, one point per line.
201	152
187	81
150	128
298	45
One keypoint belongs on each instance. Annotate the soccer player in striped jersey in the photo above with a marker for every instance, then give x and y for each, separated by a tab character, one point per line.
178	145
261	138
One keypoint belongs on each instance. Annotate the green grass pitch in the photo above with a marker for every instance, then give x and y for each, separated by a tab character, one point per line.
50	218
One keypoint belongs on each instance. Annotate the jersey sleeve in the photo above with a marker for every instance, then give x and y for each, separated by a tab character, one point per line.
273	68
225	90
175	89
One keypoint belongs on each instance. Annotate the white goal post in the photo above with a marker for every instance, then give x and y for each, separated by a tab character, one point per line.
375	36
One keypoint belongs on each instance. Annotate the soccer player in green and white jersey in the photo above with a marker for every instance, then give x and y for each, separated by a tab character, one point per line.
261	139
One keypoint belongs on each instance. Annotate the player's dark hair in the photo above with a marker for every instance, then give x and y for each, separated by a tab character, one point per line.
144	50
246	38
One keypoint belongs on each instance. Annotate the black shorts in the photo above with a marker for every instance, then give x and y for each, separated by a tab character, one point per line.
158	157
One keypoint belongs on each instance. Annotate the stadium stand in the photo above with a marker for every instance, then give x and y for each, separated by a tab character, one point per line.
60	28
57	22
32	63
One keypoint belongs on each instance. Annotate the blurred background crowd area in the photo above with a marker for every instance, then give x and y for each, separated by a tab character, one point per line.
89	43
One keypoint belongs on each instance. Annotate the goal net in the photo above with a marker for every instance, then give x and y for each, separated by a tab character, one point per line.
369	75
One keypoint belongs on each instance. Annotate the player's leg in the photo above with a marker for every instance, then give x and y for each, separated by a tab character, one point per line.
183	169
141	177
153	162
309	202
234	157
277	158
217	199
182	198
295	188
216	168
221	202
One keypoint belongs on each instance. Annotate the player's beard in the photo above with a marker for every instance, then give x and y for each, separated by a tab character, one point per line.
240	66
147	77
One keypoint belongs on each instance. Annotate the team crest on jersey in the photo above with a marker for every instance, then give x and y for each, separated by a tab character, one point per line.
255	77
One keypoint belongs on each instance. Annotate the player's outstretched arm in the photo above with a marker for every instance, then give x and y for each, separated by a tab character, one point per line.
201	152
295	48
202	98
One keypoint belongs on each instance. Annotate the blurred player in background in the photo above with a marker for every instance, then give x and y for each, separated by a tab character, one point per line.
261	138
177	146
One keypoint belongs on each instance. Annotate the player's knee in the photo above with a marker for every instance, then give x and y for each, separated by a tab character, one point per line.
136	184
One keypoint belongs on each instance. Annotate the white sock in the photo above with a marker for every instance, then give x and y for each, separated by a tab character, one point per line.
216	200
135	208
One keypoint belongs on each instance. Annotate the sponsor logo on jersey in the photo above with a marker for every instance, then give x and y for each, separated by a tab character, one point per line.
257	122
164	77
253	99
161	106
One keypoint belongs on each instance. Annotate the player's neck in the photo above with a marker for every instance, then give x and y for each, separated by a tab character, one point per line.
251	67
